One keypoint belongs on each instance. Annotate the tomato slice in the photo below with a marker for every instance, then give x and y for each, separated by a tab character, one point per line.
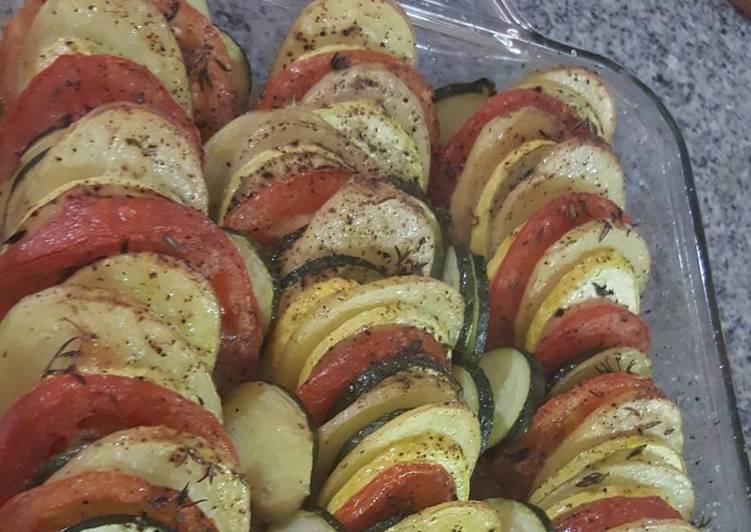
85	228
605	514
400	489
68	502
540	232
589	329
214	95
293	83
11	45
286	205
352	356
64	411
71	87
509	471
451	163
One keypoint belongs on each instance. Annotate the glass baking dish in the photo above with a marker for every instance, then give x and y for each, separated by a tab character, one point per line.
461	40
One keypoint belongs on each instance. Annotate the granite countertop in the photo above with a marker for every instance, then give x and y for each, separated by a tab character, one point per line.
694	55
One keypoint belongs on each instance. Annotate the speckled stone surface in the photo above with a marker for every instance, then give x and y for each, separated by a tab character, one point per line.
695	56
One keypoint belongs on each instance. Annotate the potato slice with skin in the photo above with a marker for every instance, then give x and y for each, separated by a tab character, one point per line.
621	449
272	165
368	126
402	391
514	168
583	90
570	249
394	314
452	516
245	137
496	140
454	422
604	274
375	82
98	332
168	287
378	25
166	457
372	220
118	140
261	419
133	29
609	361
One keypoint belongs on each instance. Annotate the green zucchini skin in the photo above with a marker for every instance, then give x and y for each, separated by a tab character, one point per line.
52	466
535	397
382	526
486	404
140	523
482	86
283	245
459	273
367	380
482	318
345	266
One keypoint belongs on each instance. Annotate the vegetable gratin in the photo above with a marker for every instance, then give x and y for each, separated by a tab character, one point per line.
348	302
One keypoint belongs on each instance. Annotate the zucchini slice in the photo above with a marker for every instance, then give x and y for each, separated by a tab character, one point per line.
453	422
519	516
406	389
455	103
261	419
429	295
458	272
377	83
241	71
175	460
132	29
377	25
310	520
609	361
262	277
364	432
367	380
475	516
479	337
518	386
68	327
366	219
478	394
582	90
118	140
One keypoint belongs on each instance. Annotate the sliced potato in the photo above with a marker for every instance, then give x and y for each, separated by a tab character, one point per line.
609	361
168	287
91	330
166	457
456	102
515	167
425	448
367	125
272	165
583	90
117	140
261	419
376	83
402	314
378	25
496	140
245	137
375	221
431	296
569	250
453	422
132	29
495	262
402	391
452	516
603	274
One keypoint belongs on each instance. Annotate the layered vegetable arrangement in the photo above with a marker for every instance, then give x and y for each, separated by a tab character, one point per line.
361	306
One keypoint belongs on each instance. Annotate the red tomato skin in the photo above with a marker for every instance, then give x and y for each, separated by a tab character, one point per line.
71	87
87	228
52	417
540	232
590	329
451	163
400	489
521	459
294	195
212	85
352	356
58	505
605	514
